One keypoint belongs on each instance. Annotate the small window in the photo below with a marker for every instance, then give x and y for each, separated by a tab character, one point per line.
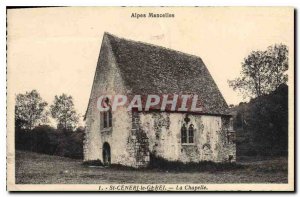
183	134
191	133
105	119
107	116
231	137
231	124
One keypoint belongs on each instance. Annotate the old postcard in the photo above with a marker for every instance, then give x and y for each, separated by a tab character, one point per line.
150	99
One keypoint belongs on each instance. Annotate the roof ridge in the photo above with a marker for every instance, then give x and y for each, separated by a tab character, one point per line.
152	45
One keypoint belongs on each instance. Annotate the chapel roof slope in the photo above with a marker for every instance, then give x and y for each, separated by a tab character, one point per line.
150	69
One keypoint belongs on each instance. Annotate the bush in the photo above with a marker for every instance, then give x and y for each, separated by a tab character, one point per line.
264	122
93	163
163	164
47	140
250	152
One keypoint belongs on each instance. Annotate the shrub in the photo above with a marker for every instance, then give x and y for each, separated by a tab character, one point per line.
163	164
47	140
92	163
264	122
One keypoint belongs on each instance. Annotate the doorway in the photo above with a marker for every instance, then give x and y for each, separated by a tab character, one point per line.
106	154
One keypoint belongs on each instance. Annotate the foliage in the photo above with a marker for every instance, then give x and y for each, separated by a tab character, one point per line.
93	163
157	162
64	112
262	71
48	140
264	123
30	110
31	113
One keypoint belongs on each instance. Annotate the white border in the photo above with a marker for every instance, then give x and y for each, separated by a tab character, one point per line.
4	3
150	3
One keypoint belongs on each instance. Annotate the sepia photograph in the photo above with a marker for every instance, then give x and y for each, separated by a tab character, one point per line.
150	99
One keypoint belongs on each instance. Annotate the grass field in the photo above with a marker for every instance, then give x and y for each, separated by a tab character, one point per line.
34	168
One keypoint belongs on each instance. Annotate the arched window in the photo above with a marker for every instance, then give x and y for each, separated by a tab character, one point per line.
183	134
187	135
107	116
191	133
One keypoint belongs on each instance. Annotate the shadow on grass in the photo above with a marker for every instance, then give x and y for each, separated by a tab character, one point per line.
92	163
203	166
161	164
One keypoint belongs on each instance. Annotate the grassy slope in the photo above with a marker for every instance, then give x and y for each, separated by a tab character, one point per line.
43	169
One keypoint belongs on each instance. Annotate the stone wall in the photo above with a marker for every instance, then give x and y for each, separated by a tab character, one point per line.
107	81
138	144
134	136
210	137
128	145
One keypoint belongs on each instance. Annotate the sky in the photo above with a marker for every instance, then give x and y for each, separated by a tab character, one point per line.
55	50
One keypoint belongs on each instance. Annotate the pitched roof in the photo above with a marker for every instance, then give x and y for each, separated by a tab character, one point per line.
150	69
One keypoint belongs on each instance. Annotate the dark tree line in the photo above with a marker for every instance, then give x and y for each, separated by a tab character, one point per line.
263	122
48	140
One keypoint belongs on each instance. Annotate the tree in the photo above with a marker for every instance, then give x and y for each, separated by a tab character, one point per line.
64	112
267	118
30	110
262	71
